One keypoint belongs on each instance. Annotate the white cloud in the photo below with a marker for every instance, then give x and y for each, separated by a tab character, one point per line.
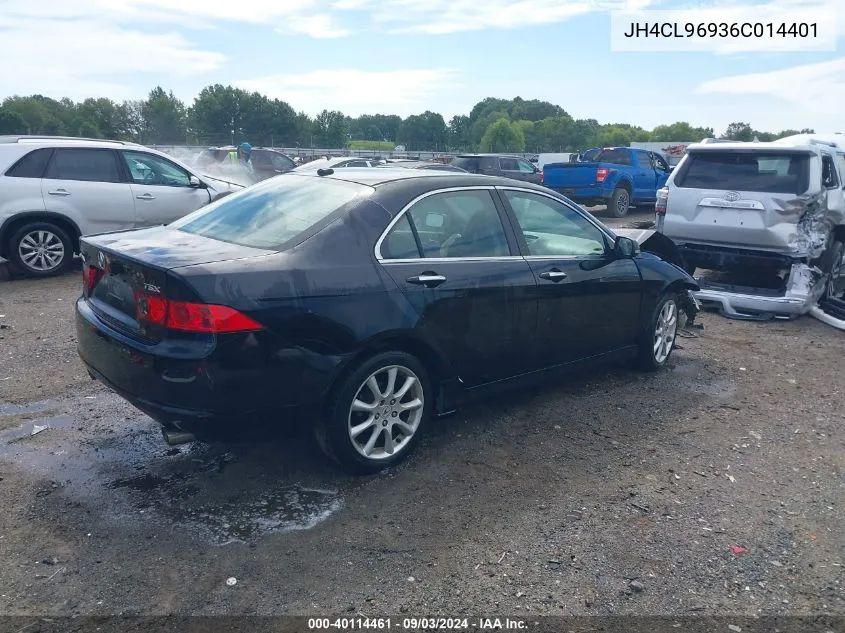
318	26
813	90
452	16
79	58
356	92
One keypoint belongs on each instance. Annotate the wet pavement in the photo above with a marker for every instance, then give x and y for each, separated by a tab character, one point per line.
132	472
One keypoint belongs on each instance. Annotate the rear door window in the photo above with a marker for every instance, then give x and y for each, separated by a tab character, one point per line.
271	214
644	160
92	165
508	164
768	172
614	156
32	165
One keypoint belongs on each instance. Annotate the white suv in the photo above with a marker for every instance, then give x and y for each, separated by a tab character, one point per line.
55	189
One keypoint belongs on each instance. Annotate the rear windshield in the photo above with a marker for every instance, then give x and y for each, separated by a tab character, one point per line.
614	156
468	163
747	171
272	213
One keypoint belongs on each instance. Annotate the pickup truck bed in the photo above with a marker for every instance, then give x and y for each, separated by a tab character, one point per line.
620	177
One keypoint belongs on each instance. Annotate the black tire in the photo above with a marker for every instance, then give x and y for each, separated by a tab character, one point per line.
831	264
619	203
45	229
647	356
333	431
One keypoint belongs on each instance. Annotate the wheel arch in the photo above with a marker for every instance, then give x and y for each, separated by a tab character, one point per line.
435	362
10	225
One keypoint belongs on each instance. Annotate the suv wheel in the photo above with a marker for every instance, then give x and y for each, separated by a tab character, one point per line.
836	275
40	249
378	413
619	203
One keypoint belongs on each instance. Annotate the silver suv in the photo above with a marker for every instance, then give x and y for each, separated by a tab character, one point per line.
773	211
55	189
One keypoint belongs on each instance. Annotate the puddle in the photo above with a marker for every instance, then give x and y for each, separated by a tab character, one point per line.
285	510
219	494
7	408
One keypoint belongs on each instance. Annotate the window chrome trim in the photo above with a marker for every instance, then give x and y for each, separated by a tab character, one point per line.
585	214
447	260
382	260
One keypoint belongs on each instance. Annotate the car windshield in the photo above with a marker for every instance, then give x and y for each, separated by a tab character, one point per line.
764	172
270	214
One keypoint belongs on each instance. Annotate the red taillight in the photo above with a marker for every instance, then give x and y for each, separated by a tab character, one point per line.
191	317
90	278
601	174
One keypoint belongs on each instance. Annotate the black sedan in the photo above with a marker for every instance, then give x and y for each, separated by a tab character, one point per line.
364	301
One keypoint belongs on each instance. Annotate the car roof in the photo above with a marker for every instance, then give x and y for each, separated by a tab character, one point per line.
488	154
750	146
375	177
49	141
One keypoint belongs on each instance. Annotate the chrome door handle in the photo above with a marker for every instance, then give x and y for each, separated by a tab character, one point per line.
146	196
429	280
59	192
553	275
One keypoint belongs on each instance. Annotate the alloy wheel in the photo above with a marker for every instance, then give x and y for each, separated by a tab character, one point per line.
41	250
622	203
385	413
665	331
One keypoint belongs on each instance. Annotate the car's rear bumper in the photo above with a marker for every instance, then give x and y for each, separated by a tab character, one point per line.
803	289
239	383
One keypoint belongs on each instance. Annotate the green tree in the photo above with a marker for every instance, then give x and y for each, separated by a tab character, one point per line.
164	118
739	132
681	131
424	131
11	122
459	133
330	129
503	136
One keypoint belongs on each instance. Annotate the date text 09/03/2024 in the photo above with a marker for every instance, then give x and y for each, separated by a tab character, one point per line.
415	624
722	29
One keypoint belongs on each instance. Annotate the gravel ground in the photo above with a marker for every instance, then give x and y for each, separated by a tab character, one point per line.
712	487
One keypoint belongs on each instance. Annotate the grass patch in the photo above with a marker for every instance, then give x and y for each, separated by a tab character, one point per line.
375	146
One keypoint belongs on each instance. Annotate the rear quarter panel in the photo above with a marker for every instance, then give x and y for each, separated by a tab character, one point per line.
322	301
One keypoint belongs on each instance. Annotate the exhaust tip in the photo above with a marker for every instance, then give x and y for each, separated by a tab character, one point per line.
174	437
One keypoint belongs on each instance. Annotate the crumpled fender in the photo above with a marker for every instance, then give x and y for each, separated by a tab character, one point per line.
651	241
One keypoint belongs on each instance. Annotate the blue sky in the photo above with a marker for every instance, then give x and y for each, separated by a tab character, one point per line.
407	56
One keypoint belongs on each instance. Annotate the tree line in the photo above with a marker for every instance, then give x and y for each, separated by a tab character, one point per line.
222	115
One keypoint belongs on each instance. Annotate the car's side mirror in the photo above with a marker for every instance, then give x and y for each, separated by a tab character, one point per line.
195	182
625	247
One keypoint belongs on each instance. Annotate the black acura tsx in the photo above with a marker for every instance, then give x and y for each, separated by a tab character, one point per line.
364	301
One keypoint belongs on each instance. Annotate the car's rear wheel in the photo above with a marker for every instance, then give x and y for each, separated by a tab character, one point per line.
619	203
375	417
658	336
40	249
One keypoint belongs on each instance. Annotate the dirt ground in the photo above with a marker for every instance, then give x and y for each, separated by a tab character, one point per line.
615	493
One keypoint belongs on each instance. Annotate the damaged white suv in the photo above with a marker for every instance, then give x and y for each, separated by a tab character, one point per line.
769	216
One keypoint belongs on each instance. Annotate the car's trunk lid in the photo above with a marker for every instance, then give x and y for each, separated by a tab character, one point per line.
135	270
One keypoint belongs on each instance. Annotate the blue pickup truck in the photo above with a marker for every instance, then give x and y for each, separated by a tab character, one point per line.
619	177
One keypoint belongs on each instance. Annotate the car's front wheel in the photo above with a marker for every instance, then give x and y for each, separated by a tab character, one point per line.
377	413
657	339
40	249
